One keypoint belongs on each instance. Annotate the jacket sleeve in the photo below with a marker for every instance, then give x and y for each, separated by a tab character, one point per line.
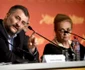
6	54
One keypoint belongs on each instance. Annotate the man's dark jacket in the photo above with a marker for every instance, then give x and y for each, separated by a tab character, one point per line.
20	53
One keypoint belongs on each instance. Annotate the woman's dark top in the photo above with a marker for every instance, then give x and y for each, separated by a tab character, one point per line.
52	49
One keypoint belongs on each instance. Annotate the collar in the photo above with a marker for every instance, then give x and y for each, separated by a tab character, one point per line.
60	44
12	36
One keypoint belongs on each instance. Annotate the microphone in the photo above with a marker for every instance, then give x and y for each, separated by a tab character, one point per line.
41	36
74	34
66	31
30	28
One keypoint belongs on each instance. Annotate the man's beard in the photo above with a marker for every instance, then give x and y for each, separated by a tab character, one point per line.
10	32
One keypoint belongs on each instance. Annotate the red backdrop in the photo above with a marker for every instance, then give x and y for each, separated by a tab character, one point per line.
42	13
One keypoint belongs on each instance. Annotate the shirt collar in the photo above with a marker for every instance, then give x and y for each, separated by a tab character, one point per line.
60	44
12	36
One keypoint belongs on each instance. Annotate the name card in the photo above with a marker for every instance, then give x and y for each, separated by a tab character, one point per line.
53	58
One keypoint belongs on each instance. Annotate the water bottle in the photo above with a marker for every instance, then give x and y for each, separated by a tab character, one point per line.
76	49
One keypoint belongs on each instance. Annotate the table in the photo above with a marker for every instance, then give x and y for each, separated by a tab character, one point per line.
72	65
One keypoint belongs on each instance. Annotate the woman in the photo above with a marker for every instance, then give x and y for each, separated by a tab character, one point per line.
63	26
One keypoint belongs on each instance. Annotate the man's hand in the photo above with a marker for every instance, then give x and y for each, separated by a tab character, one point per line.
32	43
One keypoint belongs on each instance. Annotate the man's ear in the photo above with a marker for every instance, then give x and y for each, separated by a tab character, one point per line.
8	14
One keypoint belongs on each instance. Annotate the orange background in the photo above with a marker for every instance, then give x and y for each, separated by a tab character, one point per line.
42	13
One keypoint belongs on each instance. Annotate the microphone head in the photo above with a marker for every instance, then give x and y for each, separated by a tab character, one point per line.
30	28
66	32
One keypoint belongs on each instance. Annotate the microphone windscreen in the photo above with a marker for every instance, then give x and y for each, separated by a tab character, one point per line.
30	27
66	32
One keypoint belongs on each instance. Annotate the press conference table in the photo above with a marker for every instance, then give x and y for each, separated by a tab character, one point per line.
73	65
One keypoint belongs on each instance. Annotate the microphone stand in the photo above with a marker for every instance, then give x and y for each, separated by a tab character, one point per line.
41	36
75	35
